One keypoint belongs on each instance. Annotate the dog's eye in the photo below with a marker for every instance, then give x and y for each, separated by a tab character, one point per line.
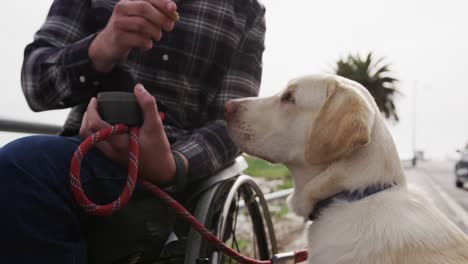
288	97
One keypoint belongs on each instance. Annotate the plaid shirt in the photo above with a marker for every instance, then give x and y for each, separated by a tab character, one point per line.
213	54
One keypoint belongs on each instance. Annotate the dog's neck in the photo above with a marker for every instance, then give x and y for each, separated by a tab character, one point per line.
373	164
347	196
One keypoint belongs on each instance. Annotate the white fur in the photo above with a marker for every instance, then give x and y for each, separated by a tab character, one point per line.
398	225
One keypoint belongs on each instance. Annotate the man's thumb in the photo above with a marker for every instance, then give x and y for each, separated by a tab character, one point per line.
147	104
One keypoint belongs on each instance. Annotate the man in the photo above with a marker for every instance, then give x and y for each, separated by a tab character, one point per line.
192	67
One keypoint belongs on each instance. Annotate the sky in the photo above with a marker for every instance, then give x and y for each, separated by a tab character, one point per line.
425	41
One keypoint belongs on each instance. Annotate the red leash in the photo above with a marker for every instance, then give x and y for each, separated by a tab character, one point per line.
105	210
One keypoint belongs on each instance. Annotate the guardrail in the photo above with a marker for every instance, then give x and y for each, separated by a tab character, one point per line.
40	128
28	127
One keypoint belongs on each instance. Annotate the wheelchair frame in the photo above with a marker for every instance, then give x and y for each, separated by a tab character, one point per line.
232	186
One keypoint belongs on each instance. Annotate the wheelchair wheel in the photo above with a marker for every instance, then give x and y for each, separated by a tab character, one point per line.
238	215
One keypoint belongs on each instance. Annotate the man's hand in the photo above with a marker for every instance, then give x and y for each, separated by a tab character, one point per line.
156	160
133	24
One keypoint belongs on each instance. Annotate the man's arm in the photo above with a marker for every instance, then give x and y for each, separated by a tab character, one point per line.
210	148
57	72
68	61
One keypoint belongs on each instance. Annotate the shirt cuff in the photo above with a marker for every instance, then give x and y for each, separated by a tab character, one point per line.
85	81
181	172
78	68
199	165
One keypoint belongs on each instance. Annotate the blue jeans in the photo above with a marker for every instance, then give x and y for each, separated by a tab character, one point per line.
40	222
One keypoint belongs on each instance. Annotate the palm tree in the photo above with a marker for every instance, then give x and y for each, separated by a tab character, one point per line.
375	76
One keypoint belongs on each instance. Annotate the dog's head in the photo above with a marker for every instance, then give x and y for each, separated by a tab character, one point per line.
316	119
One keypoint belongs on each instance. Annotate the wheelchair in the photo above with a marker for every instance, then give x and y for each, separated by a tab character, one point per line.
219	202
232	206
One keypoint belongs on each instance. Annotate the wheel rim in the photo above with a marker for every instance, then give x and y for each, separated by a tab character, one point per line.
245	188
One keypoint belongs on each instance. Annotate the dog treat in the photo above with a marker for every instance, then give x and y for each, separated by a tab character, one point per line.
173	15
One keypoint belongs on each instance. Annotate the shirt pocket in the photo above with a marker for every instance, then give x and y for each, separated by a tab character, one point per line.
204	40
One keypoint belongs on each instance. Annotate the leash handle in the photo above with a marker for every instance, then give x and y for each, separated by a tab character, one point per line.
122	108
75	170
116	108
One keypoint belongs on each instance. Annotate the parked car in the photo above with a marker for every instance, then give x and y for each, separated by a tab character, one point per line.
461	169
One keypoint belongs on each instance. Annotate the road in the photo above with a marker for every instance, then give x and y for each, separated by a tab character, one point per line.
437	179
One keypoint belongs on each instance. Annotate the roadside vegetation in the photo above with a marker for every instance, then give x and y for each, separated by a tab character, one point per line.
260	168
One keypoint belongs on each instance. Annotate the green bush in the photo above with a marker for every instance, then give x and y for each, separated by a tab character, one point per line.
264	169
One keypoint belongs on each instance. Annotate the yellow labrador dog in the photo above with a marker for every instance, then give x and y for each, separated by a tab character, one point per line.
347	175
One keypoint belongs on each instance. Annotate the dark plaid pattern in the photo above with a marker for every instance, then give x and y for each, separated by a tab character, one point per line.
213	54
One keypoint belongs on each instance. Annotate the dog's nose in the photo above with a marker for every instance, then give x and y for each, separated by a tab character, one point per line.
230	108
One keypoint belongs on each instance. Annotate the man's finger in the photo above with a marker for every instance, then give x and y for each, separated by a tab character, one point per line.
148	106
168	7
164	5
119	143
135	40
109	151
95	123
138	26
83	127
150	12
92	104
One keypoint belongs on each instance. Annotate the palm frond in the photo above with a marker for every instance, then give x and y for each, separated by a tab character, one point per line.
375	77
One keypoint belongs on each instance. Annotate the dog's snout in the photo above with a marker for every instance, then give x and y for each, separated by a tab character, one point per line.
230	108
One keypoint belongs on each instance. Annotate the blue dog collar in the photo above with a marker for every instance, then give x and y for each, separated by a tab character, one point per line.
347	196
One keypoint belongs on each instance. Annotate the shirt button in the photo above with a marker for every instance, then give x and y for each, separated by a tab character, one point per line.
165	57
82	79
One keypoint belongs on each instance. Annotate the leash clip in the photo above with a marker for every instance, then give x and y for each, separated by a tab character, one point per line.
284	258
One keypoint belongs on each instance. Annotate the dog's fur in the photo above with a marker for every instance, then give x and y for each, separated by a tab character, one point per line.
328	131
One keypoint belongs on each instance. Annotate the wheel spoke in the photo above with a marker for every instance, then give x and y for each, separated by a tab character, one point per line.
226	219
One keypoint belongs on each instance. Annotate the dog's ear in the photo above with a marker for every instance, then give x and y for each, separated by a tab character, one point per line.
343	124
